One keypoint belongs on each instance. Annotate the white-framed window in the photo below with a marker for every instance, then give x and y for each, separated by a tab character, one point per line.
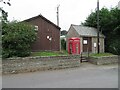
85	42
48	37
36	28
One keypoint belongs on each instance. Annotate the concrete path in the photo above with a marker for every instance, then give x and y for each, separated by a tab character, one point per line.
86	76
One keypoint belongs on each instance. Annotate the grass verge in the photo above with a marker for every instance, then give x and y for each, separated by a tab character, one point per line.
100	54
49	53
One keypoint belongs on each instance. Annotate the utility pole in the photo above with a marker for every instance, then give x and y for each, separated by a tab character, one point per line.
58	22
98	27
119	5
58	15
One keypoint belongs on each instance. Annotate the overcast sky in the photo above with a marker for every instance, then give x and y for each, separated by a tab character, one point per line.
70	11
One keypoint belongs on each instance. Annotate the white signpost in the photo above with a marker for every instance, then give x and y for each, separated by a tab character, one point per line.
95	44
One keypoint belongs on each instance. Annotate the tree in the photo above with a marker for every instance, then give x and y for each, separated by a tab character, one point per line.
64	32
3	21
4	13
6	2
17	38
109	26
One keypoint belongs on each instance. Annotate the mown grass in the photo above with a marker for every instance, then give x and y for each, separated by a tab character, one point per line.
101	54
49	53
63	52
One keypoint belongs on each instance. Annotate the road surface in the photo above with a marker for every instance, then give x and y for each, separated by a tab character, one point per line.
86	76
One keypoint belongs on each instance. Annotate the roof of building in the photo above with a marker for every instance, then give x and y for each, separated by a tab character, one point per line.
86	31
27	20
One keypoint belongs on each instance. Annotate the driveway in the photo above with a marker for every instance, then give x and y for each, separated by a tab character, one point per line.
86	76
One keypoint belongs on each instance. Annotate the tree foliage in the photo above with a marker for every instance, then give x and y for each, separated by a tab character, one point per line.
3	20
64	32
109	26
17	38
4	13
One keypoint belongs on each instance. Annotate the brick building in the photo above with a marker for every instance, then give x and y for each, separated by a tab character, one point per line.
48	36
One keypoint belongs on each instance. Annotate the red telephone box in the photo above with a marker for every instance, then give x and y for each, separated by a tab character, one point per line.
74	45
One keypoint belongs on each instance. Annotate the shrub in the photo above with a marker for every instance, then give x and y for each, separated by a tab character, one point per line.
17	39
63	44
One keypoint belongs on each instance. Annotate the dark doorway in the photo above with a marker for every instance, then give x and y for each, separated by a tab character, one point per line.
87	44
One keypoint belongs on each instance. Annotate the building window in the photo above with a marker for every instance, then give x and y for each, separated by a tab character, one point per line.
84	41
36	28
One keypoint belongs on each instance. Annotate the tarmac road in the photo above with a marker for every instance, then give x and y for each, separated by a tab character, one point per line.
86	76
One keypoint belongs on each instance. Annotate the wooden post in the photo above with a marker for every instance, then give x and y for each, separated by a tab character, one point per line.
98	27
81	58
